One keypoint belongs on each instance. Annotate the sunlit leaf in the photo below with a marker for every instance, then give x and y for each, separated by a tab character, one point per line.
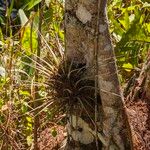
125	20
29	140
24	107
146	4
28	44
1	103
127	66
29	119
32	3
23	17
25	93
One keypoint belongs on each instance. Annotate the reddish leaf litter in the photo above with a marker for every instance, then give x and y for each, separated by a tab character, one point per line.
139	118
52	138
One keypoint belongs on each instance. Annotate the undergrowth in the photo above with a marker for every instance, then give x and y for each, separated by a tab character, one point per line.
62	86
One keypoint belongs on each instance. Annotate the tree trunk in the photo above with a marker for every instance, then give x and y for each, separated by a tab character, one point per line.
88	43
115	117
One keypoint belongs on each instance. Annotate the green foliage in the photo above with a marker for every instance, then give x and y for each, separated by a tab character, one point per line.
130	29
18	48
33	3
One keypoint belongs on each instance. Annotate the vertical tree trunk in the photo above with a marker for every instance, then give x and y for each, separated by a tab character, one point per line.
87	40
114	119
80	25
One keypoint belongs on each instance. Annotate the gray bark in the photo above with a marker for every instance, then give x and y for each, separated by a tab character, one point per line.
80	23
115	121
88	41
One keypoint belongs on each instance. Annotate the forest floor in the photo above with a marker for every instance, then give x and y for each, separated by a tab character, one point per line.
48	141
138	111
139	118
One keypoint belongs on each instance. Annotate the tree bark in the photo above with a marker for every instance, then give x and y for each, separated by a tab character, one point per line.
80	25
88	42
115	117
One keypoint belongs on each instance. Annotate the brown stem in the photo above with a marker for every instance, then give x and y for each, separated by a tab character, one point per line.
37	103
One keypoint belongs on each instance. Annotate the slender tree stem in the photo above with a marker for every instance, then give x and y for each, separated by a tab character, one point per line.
37	103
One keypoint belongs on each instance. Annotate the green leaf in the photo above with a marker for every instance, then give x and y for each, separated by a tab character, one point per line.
148	27
28	69
24	107
29	140
47	2
28	36
1	35
1	103
23	17
146	4
11	8
117	28
32	3
2	118
26	41
127	66
125	20
131	17
29	119
25	93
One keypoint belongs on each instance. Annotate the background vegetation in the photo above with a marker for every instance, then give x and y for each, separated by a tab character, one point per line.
23	94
